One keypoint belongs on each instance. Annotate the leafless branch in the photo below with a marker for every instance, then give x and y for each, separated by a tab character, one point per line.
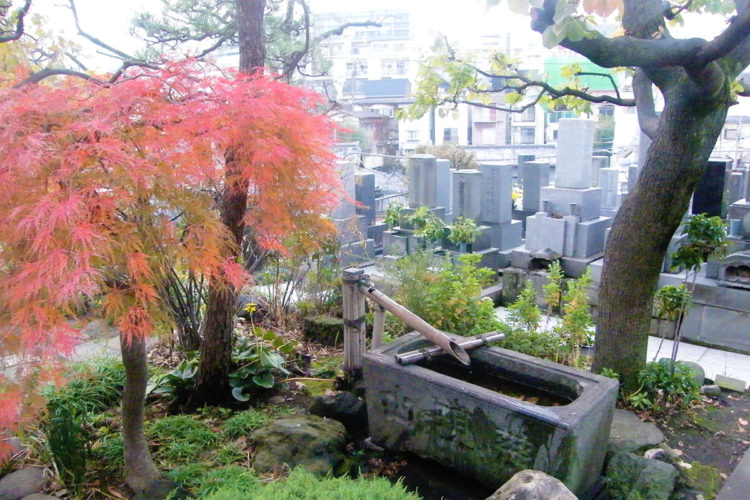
18	31
40	75
93	39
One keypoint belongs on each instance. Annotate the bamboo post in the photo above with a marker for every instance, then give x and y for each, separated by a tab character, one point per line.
378	326
354	320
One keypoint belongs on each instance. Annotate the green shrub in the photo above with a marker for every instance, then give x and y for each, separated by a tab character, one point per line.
303	485
444	295
553	290
662	390
463	230
524	314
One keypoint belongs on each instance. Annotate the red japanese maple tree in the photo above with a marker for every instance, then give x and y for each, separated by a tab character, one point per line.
105	186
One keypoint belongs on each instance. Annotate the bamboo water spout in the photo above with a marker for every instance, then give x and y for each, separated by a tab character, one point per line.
425	329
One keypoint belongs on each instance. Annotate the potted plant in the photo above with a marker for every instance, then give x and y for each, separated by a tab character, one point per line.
464	232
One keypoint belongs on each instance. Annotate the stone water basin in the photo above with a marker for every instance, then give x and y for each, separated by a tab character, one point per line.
547	416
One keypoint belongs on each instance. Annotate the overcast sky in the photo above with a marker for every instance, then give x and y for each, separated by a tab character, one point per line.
109	20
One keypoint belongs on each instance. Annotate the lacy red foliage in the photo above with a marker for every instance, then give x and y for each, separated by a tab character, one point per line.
104	186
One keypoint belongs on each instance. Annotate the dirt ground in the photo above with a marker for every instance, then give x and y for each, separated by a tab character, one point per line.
716	433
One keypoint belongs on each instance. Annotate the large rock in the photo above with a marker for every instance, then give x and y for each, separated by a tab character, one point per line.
630	477
698	372
533	485
313	442
326	330
21	483
630	433
344	407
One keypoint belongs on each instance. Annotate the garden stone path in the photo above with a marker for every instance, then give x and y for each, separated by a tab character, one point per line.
738	484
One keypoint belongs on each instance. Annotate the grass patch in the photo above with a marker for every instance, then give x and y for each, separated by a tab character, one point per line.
95	387
244	422
181	438
302	484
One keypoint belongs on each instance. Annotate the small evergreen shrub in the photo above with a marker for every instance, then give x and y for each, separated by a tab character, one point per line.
662	390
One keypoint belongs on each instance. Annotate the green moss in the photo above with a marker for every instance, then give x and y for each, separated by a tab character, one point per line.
705	478
317	387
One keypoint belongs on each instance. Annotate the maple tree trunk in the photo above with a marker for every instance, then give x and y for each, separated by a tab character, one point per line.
140	471
212	384
687	132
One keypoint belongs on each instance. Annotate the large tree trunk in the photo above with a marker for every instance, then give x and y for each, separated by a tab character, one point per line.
140	471
212	385
686	134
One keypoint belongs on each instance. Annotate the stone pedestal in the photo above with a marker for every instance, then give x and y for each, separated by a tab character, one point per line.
559	202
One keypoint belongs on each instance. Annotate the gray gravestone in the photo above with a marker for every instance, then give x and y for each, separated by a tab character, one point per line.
467	194
735	186
522	161
422	181
598	163
609	181
497	192
364	193
443	179
575	146
535	177
344	209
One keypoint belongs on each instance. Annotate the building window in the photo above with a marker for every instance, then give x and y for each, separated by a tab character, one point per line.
450	136
554	116
528	115
401	67
412	135
730	133
527	135
607	110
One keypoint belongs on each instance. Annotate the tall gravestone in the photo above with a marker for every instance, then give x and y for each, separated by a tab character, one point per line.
522	160
569	222
467	194
598	163
422	181
609	182
497	205
709	192
535	177
572	190
364	193
443	179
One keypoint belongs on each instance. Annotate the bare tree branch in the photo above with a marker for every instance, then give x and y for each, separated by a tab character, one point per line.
93	39
19	30
40	75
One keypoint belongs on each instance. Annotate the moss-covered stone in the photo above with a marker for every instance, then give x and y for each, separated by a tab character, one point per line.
631	477
326	330
313	442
